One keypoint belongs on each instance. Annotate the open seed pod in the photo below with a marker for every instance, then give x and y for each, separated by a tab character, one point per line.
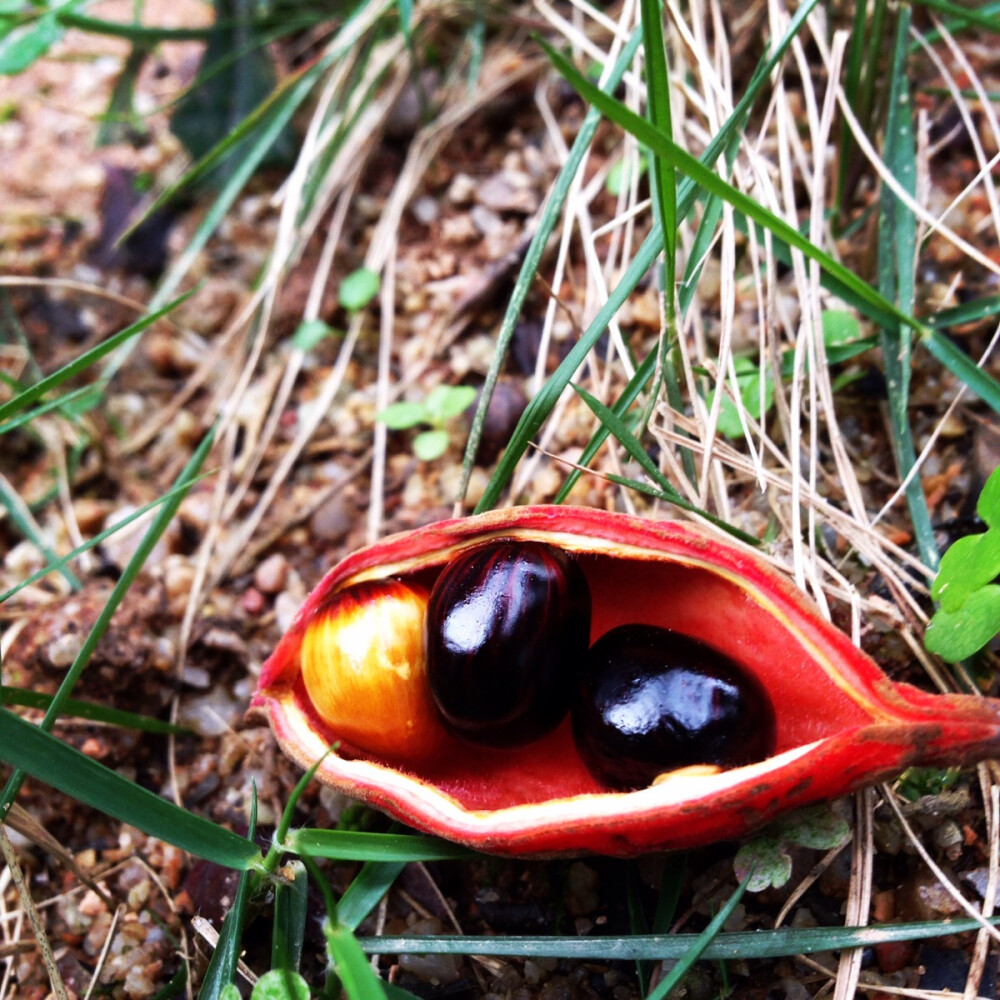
838	721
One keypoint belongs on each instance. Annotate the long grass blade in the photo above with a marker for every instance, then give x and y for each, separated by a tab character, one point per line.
658	103
634	447
38	753
221	969
356	975
348	845
968	17
291	912
705	178
20	517
727	945
960	364
532	259
897	281
698	948
88	358
363	894
90	711
59	403
539	408
967	312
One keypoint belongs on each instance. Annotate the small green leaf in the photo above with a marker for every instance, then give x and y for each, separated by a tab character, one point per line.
280	984
620	175
748	382
988	507
839	327
955	635
230	992
763	862
310	333
448	401
430	445
818	827
969	564
399	416
358	289
28	43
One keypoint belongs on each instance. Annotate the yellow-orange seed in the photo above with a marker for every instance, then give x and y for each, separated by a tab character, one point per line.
364	669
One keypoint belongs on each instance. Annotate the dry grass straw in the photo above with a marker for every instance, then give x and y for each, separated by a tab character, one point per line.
781	471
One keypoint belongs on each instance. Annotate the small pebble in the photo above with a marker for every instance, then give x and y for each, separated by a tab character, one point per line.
253	602
63	650
196	677
271	575
210	714
485	220
425	210
508	191
23	560
462	190
333	519
438	970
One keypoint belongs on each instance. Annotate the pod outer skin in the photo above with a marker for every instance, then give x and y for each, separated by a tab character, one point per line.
842	723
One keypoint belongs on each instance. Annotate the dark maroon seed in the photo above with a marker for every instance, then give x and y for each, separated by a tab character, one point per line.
652	700
507	632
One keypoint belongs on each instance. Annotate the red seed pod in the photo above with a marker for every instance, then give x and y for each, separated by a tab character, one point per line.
839	722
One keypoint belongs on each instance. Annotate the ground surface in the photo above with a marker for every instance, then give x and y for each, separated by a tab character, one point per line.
303	475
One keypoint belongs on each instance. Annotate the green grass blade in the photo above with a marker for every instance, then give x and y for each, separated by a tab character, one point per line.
663	179
173	987
363	894
21	518
348	845
711	182
89	710
695	952
33	751
540	407
622	405
291	912
728	945
132	32
58	564
271	128
532	259
852	81
260	121
967	312
634	447
135	564
953	24
88	358
968	17
960	364
658	104
356	975
897	239
53	404
222	966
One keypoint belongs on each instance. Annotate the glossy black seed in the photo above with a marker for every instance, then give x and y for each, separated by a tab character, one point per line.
508	627
652	700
